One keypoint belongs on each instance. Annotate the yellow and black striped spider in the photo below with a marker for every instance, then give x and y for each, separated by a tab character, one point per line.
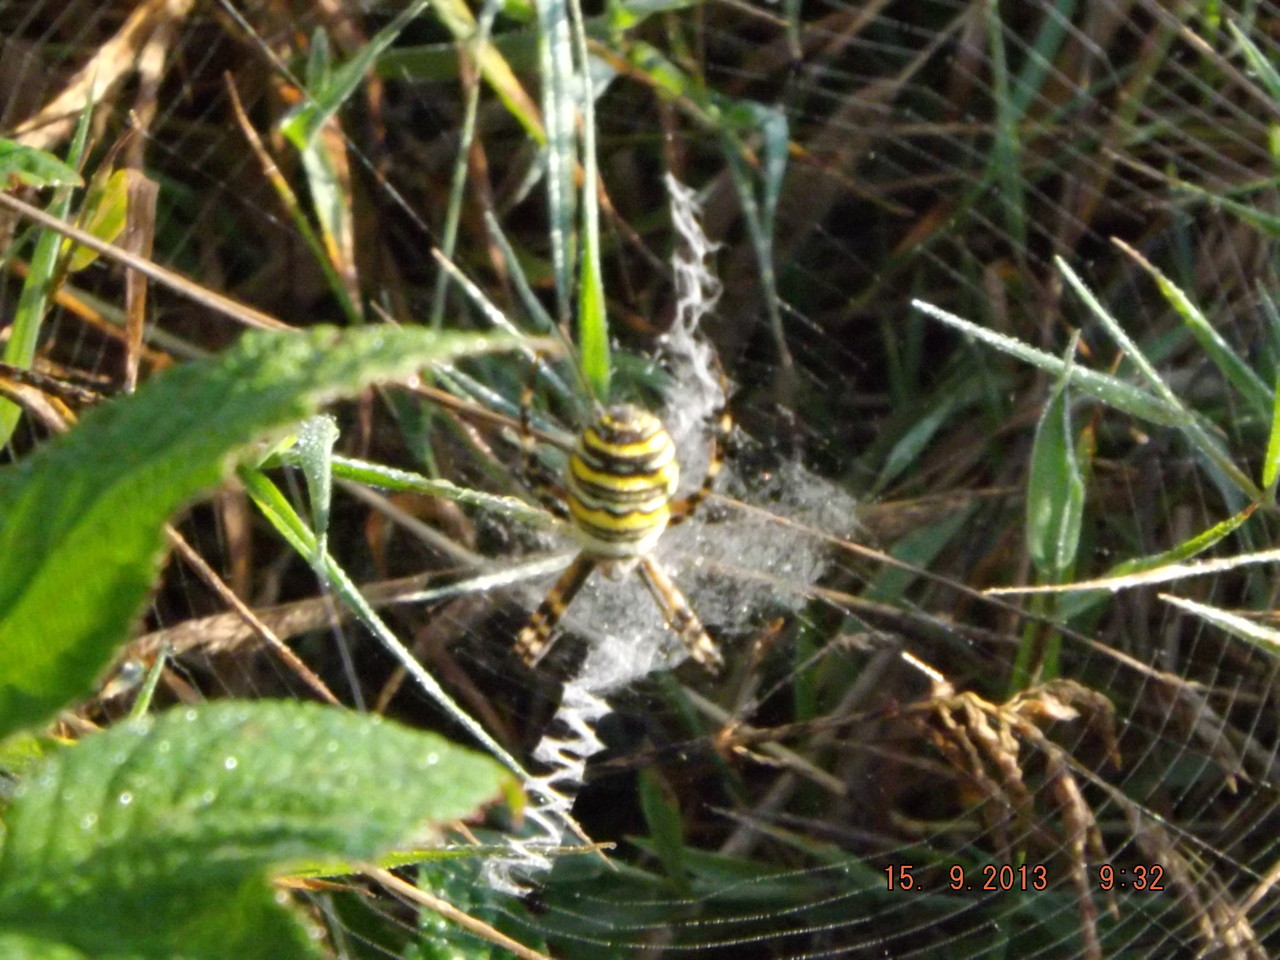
619	494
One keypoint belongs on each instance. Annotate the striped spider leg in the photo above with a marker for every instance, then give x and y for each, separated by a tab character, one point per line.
619	491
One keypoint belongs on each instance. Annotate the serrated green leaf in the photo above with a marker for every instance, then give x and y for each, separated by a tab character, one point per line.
154	838
80	519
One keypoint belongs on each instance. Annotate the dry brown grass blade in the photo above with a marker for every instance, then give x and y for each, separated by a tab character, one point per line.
242	610
1221	923
233	309
139	238
412	894
106	70
983	743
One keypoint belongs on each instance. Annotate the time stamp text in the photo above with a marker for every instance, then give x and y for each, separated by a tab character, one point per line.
992	877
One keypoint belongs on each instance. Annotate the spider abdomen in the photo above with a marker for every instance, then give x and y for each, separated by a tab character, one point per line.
621	478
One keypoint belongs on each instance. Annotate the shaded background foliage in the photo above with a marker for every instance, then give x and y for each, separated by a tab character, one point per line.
946	151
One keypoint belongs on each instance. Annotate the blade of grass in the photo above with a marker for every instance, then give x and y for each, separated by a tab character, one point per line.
1233	623
316	439
294	208
555	61
737	118
1163	574
543	323
1190	425
1006	149
404	481
495	69
1054	514
1233	367
176	282
34	168
1055	485
28	317
1076	604
1260	64
471	50
593	324
1271	461
1110	390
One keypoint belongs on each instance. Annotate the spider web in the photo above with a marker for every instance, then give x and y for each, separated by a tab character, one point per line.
866	735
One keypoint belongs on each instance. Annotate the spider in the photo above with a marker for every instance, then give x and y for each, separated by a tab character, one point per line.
619	495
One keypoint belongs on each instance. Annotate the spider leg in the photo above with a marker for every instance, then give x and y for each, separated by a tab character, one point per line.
679	615
534	639
683	508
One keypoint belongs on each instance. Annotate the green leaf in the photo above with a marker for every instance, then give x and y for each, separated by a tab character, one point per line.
1249	630
404	481
742	118
316	440
1271	462
1006	150
666	830
906	451
1073	605
1055	490
81	519
457	883
330	87
1260	64
15	946
154	838
34	168
105	211
593	321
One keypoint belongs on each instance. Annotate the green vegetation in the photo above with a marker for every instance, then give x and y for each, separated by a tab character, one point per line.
1005	273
